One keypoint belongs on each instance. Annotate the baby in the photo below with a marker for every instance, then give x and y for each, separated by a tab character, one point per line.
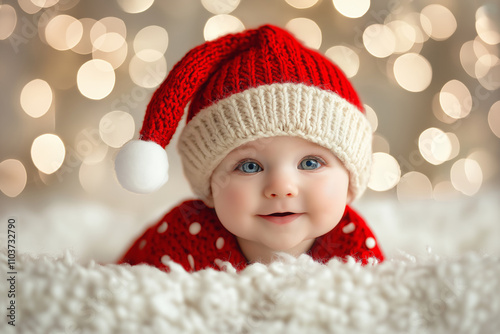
276	146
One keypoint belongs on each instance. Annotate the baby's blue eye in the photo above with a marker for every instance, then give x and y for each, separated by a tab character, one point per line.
249	167
309	164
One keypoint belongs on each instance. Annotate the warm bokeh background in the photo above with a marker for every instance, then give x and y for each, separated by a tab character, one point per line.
76	77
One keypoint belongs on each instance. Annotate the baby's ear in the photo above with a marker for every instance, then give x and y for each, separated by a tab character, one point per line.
209	201
350	196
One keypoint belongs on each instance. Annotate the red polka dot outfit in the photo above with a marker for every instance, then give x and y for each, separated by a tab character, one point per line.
192	235
259	83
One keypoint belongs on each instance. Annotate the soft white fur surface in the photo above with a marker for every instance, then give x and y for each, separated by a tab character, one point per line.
428	295
441	276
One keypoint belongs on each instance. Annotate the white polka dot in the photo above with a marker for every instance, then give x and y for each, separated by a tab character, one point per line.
219	243
194	228
223	265
219	263
162	228
142	244
349	228
165	259
370	242
191	260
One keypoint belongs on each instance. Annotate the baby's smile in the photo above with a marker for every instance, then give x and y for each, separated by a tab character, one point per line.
275	144
281	214
281	218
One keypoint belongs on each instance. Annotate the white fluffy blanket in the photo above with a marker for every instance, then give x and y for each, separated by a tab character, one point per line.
425	295
453	288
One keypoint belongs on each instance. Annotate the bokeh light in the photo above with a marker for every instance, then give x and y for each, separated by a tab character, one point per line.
13	177
307	31
48	152
49	179
415	20
385	172
455	99
455	145
494	118
371	116
62	5
469	55
435	146
401	43
28	6
484	64
444	191
104	26
109	42
220	6
115	58
36	98
108	37
89	146
481	48
150	43
438	111
147	74
301	4
380	144
97	155
92	177
85	46
379	40
116	128
405	35
413	72
488	23
346	58
135	6
352	9
63	32
414	186
96	79
488	162
45	3
220	25
438	22
491	80
8	21
466	176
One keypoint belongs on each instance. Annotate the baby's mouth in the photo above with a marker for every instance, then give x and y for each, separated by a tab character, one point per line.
281	218
281	214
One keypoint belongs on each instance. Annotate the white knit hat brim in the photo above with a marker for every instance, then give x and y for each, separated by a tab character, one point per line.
280	109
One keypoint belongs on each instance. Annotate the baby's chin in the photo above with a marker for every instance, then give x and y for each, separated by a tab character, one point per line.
292	247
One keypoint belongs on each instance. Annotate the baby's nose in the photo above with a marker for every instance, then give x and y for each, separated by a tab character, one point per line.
281	187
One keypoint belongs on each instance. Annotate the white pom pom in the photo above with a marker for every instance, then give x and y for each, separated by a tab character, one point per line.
141	166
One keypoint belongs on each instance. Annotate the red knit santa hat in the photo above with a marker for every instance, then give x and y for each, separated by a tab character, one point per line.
241	87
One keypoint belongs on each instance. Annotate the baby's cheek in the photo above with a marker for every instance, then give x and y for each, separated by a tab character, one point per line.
233	208
321	191
232	195
328	198
236	197
334	186
219	182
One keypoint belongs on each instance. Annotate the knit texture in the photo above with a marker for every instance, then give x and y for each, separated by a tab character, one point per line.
232	64
192	236
288	109
258	83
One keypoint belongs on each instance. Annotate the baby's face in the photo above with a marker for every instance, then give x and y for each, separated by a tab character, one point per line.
280	192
